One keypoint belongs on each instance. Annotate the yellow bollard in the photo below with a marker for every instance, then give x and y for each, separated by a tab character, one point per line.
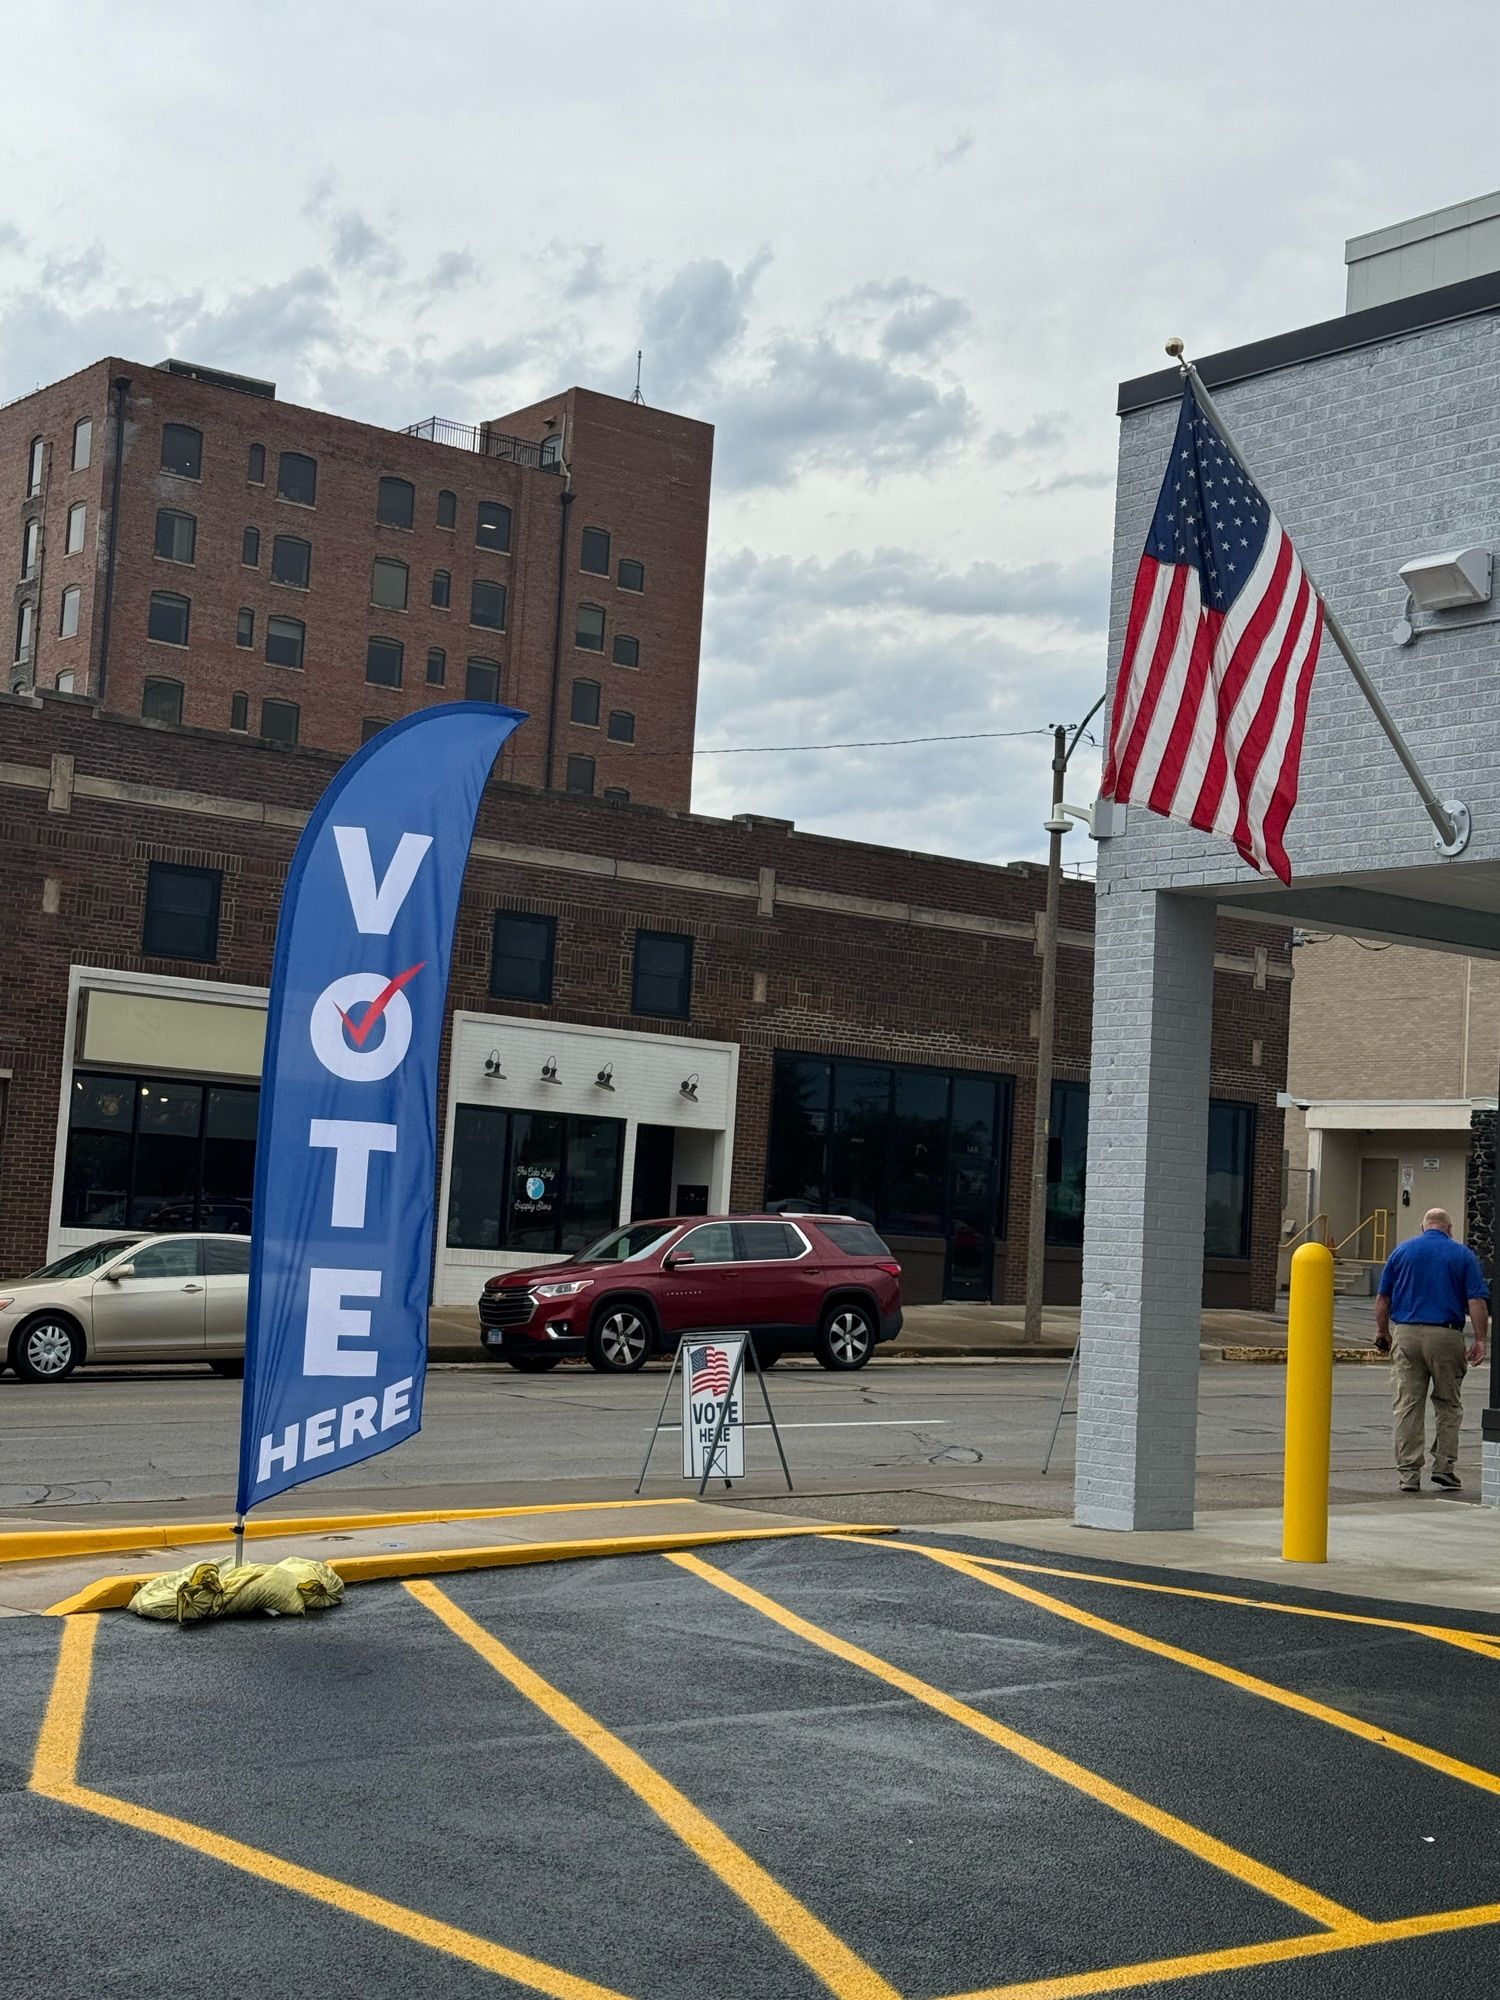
1309	1406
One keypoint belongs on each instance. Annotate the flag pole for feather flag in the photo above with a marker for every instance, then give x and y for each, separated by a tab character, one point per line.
1450	817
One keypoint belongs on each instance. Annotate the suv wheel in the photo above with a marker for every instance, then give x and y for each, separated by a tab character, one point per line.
46	1348
846	1338
619	1340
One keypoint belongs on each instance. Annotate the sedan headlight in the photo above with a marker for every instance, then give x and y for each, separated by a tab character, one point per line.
563	1290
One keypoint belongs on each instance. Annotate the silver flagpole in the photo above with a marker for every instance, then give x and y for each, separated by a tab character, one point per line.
1449	816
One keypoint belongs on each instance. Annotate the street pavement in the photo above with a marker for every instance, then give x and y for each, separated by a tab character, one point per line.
938	1441
924	1766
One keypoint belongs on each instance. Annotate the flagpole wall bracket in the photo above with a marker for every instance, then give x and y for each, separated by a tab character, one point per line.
1458	812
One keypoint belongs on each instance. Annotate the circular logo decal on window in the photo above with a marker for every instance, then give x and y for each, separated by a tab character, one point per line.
536	1187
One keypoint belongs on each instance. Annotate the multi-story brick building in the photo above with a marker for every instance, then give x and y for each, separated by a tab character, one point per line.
183	545
656	1010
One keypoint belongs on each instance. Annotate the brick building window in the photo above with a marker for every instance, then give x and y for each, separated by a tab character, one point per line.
585	704
297	478
279	721
492	527
632	575
388	584
291	562
176	535
1067	1161
447	509
371	726
437	666
67	623
64	682
383	659
83	443
284	641
25	615
593	554
167	618
161	701
621	726
396	503
588	632
78	515
250	548
162	1152
36	458
1231	1165
182	912
182	450
616	795
487	605
239	711
581	775
244	628
442	589
626	650
662	980
482	681
255	471
521	960
496	1152
31	549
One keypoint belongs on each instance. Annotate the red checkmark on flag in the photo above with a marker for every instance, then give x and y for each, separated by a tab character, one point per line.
378	1005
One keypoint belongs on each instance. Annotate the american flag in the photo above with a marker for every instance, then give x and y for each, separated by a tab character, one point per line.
1220	649
710	1367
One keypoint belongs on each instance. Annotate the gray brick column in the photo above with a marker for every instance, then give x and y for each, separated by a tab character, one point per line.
1143	1237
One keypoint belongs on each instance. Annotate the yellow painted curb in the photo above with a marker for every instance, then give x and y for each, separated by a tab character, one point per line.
113	1593
53	1544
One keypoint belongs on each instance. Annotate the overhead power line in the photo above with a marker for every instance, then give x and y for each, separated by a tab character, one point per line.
865	743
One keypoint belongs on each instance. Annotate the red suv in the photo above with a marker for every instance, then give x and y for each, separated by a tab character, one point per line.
820	1282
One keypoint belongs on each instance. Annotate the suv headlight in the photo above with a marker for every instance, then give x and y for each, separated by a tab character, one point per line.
562	1290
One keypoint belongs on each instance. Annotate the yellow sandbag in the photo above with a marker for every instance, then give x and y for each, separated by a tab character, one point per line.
291	1587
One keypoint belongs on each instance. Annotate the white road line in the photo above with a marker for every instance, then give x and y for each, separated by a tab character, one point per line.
846	1424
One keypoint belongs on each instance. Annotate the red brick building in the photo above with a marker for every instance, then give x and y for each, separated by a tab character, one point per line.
732	1011
183	545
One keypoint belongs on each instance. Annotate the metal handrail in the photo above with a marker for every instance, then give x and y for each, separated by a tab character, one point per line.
1311	1231
1378	1222
543	457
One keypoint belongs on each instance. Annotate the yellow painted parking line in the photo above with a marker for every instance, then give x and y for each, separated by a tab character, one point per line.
1487	1643
1300	1704
1269	1881
825	1954
54	1776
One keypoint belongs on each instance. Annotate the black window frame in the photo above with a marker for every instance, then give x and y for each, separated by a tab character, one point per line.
188	454
481	668
383	640
585	547
161	876
447	503
293	635
492	534
1221	1110
436	655
575	771
631	563
250	548
625	650
291	459
587	644
239	710
370	727
592	695
255	466
442	590
391	486
153	685
621	735
488	624
683	977
297	546
175	515
291	708
389	565
161	600
244	627
536	989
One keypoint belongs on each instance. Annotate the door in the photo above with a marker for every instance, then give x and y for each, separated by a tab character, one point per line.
779	1282
226	1277
1377	1192
651	1185
158	1309
703	1294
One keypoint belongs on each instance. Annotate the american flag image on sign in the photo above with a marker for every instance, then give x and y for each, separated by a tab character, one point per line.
710	1366
1220	649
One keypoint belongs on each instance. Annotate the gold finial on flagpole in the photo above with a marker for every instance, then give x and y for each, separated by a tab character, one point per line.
1175	348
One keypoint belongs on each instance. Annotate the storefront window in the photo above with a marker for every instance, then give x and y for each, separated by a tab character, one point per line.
859	1151
1067	1162
919	1153
797	1160
159	1153
532	1180
1231	1152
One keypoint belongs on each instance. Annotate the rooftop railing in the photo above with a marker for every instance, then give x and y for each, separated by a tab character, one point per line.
544	457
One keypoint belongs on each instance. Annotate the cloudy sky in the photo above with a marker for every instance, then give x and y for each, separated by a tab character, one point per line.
899	254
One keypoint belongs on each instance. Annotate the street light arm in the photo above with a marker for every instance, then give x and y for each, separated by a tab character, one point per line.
1078	732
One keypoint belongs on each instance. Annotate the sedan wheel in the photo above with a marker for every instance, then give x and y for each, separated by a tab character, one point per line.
847	1338
620	1341
46	1349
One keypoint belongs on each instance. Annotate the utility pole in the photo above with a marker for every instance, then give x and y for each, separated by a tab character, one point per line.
1057	824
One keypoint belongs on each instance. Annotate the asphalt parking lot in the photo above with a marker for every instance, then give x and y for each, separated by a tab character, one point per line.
916	1766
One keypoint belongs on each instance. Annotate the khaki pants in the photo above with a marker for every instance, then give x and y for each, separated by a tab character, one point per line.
1424	1357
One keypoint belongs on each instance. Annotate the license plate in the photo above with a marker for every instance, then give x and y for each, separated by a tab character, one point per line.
494	1337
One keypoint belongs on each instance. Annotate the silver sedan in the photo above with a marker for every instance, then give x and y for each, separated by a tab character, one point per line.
132	1298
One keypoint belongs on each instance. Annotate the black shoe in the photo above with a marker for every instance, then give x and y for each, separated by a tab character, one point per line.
1450	1481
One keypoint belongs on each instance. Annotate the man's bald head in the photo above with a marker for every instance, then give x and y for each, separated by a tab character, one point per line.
1438	1218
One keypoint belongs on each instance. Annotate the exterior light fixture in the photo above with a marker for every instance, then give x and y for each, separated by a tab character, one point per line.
492	1065
605	1080
689	1086
1451	582
549	1071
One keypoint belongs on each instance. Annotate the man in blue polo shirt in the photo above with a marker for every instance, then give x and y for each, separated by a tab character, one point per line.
1426	1288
